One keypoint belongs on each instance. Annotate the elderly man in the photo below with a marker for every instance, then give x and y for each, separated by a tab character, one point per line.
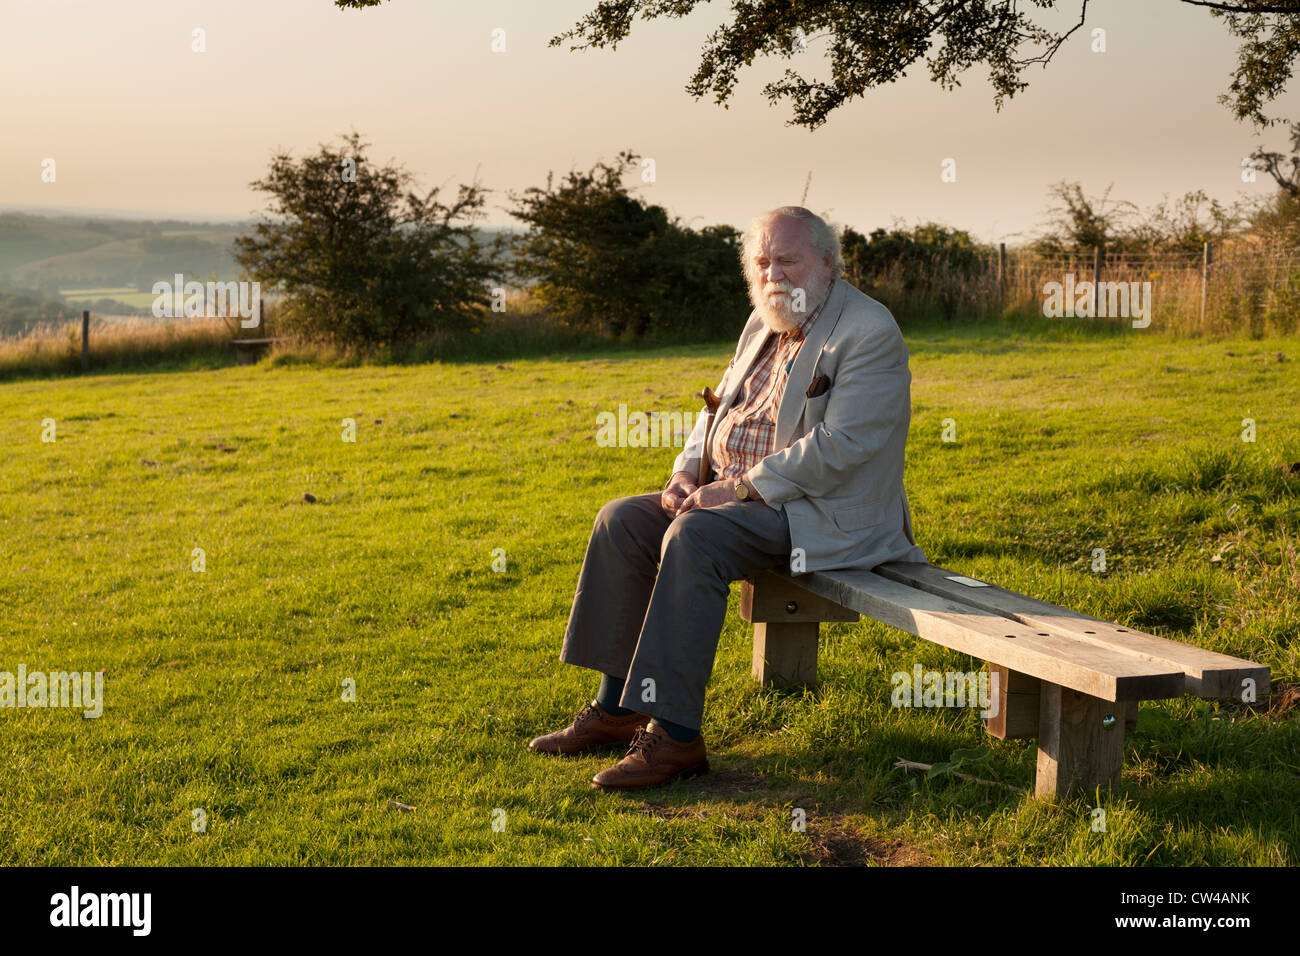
801	466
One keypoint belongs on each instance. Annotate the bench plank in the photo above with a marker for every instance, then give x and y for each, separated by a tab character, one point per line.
776	597
1208	673
1039	652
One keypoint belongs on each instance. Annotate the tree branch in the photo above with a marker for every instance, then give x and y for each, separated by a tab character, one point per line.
1247	7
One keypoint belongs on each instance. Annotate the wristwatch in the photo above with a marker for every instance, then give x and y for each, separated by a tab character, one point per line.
742	490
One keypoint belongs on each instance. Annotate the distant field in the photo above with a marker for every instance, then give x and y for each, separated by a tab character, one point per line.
70	250
224	688
127	296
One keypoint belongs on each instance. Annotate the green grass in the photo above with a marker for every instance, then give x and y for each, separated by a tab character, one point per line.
223	688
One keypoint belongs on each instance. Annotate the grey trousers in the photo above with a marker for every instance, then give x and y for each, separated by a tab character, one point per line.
652	596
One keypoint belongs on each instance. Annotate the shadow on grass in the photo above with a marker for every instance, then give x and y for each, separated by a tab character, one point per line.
1216	791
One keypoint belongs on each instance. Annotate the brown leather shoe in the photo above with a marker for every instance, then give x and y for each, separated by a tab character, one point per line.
654	758
592	728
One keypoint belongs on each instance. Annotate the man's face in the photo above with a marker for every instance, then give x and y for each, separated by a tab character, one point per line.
783	261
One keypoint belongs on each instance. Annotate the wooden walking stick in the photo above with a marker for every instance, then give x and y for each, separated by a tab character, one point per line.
710	402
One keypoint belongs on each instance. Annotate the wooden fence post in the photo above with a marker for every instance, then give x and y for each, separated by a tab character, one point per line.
85	340
1002	270
1096	282
1207	258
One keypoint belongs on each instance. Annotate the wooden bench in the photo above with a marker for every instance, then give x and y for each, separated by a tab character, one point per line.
1071	680
248	351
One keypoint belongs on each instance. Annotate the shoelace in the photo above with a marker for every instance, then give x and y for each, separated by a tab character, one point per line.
588	712
643	743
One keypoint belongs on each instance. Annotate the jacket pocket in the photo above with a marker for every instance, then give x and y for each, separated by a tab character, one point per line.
860	516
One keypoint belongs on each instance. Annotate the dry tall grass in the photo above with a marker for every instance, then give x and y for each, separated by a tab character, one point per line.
1249	292
117	344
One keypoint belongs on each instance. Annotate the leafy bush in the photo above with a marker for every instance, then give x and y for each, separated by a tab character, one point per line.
924	249
605	260
364	260
928	262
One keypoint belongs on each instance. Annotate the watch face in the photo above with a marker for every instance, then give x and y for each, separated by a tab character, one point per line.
742	490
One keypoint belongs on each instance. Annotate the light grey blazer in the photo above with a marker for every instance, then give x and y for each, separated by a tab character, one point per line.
838	470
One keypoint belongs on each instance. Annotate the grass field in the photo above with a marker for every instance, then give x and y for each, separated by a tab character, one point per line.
224	689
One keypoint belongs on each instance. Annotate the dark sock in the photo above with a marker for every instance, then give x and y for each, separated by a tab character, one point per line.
611	689
683	735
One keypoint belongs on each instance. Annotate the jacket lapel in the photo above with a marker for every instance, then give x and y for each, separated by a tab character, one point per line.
796	386
743	367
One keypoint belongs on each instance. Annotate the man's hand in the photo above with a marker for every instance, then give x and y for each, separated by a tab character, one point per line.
717	493
679	490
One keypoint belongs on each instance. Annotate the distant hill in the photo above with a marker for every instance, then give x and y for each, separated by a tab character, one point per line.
61	252
50	253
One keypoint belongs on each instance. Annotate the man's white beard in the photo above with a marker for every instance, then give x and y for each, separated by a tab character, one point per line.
778	314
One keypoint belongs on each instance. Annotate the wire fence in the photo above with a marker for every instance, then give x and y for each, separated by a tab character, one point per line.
1243	291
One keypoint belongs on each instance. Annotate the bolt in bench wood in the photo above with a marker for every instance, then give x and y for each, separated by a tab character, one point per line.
1071	680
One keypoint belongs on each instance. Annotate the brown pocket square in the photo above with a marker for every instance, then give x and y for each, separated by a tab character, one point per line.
818	386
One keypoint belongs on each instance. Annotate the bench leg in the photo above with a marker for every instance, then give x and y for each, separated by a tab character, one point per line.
785	654
1014	714
1080	742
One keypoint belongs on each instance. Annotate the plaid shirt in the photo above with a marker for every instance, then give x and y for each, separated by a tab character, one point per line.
745	433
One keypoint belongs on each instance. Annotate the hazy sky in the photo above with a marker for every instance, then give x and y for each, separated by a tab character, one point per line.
138	122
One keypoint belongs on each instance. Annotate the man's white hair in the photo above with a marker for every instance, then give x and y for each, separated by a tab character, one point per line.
821	233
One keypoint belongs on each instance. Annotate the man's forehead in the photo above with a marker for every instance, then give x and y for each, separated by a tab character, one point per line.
782	234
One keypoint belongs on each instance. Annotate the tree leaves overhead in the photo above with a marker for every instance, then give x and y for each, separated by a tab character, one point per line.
1270	41
870	44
